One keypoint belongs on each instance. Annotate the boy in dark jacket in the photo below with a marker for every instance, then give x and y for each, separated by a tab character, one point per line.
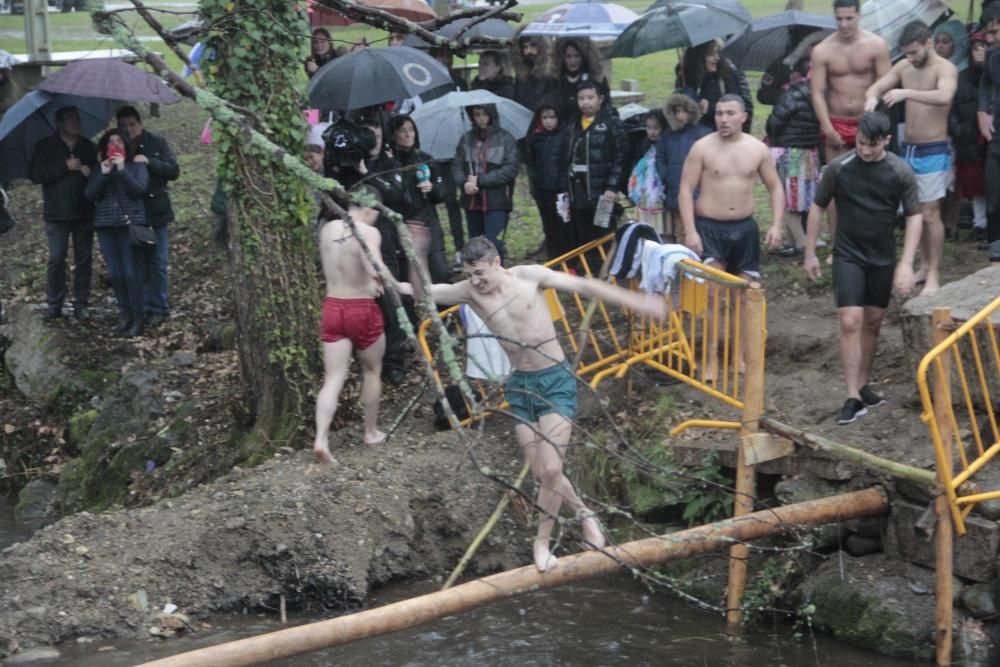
595	168
485	167
546	146
683	129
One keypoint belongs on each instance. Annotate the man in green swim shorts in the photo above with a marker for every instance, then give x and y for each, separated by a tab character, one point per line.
542	388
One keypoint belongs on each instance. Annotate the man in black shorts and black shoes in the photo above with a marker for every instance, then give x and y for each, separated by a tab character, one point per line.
868	185
719	227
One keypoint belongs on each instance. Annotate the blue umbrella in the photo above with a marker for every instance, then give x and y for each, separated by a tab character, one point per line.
34	117
581	19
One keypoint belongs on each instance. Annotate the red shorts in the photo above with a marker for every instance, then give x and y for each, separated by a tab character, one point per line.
847	128
970	179
358	320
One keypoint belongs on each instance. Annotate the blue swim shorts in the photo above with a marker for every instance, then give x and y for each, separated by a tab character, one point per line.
532	394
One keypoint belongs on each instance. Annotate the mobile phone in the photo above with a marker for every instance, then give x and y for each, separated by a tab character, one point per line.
114	151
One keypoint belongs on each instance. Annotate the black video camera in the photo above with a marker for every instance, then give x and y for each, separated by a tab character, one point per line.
345	145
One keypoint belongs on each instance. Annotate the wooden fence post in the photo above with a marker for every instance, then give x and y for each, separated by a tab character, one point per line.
746	484
944	531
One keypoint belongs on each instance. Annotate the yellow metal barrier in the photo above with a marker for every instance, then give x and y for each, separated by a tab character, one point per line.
696	343
959	384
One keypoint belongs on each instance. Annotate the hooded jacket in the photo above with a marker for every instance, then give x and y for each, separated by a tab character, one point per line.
595	159
415	205
793	123
162	168
62	189
501	85
492	155
963	125
534	82
546	150
674	145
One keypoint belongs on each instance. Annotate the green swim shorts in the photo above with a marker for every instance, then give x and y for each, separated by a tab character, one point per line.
532	394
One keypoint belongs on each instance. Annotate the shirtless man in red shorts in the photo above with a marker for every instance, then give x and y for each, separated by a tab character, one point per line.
352	322
844	65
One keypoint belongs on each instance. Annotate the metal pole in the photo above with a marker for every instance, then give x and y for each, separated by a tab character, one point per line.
746	483
36	29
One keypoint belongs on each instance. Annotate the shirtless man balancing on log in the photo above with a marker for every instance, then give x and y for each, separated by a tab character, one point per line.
719	226
352	321
927	82
542	389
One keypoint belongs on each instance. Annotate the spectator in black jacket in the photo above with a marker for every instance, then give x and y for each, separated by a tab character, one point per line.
969	145
118	188
491	76
321	51
154	151
485	164
546	149
594	170
578	61
988	115
423	184
530	61
706	76
794	137
61	164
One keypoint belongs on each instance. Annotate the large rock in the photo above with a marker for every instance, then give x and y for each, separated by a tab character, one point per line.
35	355
974	553
964	298
878	604
36	504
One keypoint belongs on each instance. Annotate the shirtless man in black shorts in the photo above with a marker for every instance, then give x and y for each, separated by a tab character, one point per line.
868	186
719	226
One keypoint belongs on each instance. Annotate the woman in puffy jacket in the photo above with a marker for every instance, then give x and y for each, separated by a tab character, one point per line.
683	129
118	190
423	185
794	136
595	168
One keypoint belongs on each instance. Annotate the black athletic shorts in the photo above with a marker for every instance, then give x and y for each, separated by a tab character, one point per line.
735	243
861	284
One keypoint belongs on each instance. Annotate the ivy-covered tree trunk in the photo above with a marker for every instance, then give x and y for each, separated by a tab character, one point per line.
257	46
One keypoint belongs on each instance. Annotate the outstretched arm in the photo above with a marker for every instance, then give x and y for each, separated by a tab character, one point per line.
647	304
448	295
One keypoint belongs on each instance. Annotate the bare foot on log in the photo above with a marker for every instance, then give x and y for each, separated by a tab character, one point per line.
930	286
593	536
544	560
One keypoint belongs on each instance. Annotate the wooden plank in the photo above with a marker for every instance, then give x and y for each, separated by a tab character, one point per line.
763	447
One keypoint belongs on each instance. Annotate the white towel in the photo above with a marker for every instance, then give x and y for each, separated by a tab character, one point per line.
485	359
659	265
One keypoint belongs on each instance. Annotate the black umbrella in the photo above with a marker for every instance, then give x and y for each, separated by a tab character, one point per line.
369	77
770	38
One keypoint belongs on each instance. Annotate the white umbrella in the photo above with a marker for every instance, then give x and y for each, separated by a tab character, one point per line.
887	18
443	121
584	19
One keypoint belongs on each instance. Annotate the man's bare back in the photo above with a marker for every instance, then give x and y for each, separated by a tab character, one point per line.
348	272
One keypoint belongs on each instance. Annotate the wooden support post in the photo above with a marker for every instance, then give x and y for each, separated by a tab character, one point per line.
709	538
943	539
746	483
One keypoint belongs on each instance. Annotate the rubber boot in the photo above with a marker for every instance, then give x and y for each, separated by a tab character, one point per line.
123	325
136	326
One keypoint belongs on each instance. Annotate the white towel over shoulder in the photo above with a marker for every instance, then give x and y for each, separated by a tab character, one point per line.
485	359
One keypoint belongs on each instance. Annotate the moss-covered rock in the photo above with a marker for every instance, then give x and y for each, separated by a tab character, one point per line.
881	605
79	427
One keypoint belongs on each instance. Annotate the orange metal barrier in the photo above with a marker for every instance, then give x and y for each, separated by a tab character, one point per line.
961	408
703	317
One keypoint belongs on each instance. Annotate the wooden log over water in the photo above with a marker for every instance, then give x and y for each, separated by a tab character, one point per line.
578	567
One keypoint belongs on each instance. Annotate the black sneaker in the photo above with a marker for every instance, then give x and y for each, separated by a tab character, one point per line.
870	398
81	313
52	313
853	408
